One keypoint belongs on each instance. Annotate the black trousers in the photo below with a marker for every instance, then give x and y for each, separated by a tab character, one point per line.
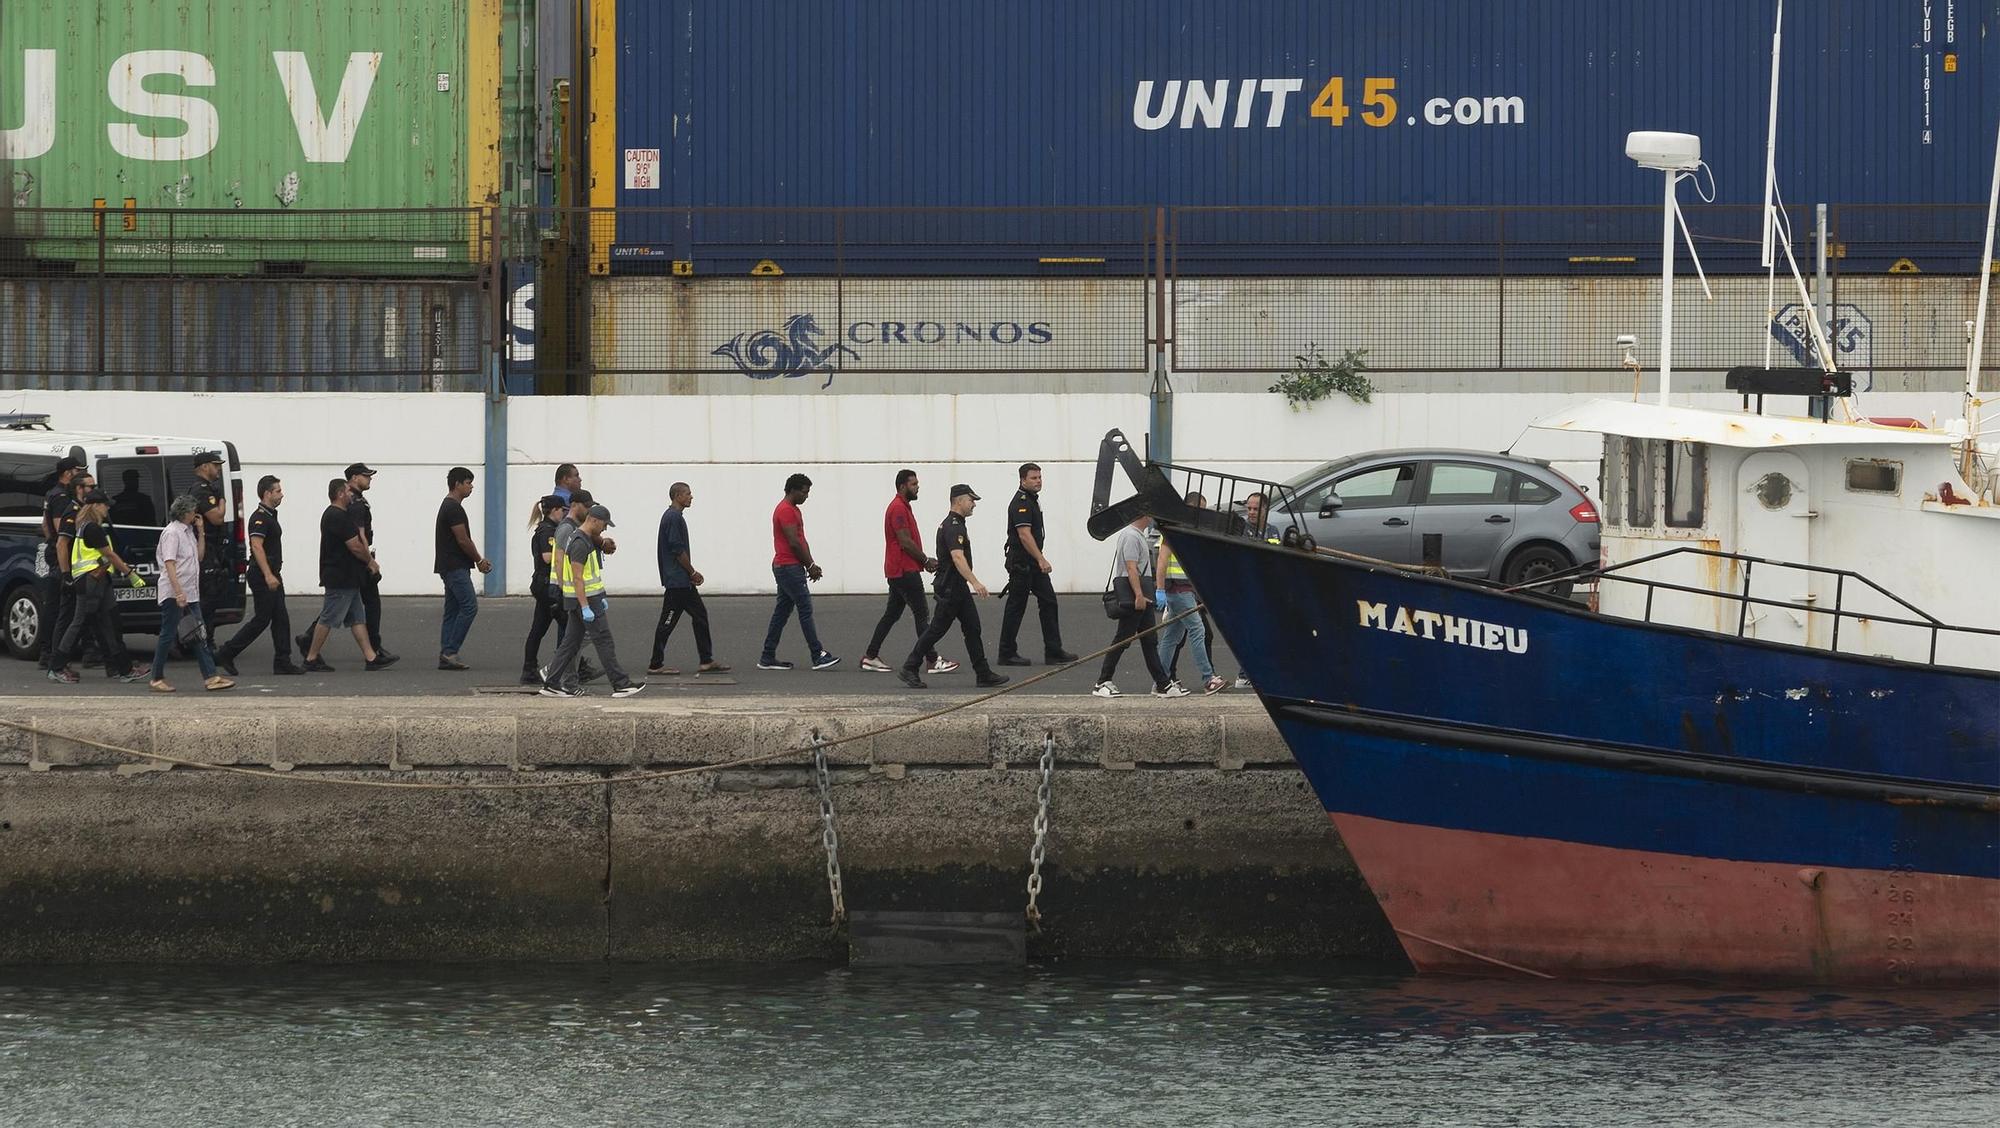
548	610
906	590
1020	585
54	594
371	609
96	612
1208	644
952	607
677	604
1129	626
267	611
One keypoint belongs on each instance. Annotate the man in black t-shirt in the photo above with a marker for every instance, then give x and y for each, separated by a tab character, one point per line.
956	587
361	479
344	566
456	557
267	585
50	584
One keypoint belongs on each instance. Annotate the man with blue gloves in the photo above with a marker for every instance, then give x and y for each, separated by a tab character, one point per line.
577	571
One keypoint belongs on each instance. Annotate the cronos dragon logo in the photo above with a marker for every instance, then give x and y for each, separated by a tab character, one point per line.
790	352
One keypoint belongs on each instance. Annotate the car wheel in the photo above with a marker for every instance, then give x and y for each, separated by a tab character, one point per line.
1538	562
23	617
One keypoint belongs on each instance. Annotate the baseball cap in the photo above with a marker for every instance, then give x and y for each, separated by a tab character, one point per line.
359	468
963	490
582	497
96	497
553	501
602	514
67	463
207	456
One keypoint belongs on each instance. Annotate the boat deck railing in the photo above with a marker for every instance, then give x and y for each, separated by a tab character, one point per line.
1842	578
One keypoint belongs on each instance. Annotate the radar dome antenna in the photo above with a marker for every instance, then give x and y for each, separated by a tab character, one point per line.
1677	155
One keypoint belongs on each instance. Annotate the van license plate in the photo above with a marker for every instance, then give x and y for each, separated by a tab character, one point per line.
134	595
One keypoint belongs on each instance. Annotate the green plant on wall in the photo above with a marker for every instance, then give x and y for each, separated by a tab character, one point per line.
1311	378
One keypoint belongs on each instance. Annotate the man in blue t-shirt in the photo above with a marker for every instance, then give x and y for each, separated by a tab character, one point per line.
681	583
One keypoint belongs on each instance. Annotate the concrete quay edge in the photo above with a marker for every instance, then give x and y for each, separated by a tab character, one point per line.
522	733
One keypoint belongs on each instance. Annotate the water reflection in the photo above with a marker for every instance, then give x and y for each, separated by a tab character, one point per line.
1124	1043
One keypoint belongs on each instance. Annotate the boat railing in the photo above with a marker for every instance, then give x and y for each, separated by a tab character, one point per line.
1616	573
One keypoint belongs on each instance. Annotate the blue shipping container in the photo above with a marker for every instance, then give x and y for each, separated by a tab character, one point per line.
1282	102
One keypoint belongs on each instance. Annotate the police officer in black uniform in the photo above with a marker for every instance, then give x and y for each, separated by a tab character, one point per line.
267	585
216	567
956	589
1028	574
53	591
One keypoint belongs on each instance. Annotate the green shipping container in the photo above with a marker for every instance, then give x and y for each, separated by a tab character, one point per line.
191	105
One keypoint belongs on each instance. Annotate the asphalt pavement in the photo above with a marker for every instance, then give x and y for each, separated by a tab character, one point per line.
494	652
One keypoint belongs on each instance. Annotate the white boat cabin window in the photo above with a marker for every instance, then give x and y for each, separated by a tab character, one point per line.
1640	478
1687	484
1874	475
1611	481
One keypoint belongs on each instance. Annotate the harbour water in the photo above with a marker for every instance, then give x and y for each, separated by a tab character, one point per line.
1149	1044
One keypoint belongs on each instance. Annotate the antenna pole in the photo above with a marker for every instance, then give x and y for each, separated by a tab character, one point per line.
1771	142
1667	289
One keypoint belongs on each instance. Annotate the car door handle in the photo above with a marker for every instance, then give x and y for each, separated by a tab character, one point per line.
1497	519
1395	521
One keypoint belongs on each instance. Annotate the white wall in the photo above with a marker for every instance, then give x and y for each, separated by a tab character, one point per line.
737	450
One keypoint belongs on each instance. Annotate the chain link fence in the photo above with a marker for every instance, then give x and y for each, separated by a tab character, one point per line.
700	299
153	299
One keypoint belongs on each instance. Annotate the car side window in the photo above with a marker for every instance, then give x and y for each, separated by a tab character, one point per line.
1467	483
1375	488
1530	491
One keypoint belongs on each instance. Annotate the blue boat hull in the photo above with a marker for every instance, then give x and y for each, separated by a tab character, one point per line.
1531	786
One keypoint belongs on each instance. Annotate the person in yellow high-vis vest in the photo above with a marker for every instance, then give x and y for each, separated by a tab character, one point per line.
1179	599
576	569
93	562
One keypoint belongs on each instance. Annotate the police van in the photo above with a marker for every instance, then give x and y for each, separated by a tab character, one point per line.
141	474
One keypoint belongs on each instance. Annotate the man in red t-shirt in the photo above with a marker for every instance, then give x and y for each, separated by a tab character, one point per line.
904	564
792	566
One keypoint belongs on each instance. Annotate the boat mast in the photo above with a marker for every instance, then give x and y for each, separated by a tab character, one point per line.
1978	345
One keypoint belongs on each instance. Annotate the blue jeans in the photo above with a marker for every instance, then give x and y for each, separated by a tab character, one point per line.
461	606
792	592
171	614
1190	628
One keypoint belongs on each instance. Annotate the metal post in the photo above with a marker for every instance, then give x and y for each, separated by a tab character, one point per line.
1667	289
1822	287
496	406
1160	409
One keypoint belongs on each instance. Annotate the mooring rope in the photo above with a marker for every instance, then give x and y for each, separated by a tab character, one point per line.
634	777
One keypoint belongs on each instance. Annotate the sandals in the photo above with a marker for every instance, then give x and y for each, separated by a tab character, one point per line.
217	682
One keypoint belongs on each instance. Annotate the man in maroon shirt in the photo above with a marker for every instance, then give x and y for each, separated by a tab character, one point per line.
792	566
904	564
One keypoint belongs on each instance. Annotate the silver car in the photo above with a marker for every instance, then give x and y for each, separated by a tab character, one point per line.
1507	519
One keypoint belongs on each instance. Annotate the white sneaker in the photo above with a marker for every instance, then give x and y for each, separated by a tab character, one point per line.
1241	682
1173	690
877	666
628	690
1106	689
944	665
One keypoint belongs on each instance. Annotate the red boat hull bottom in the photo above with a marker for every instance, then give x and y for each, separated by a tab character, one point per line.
1467	902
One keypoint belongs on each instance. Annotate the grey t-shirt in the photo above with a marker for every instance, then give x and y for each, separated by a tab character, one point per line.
1132	546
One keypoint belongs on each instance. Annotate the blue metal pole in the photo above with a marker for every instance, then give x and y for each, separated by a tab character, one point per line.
496	478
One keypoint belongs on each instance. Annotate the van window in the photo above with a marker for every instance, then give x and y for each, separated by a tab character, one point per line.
138	491
1687	484
24	478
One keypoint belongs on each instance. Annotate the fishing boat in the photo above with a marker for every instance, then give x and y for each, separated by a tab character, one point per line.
1770	752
